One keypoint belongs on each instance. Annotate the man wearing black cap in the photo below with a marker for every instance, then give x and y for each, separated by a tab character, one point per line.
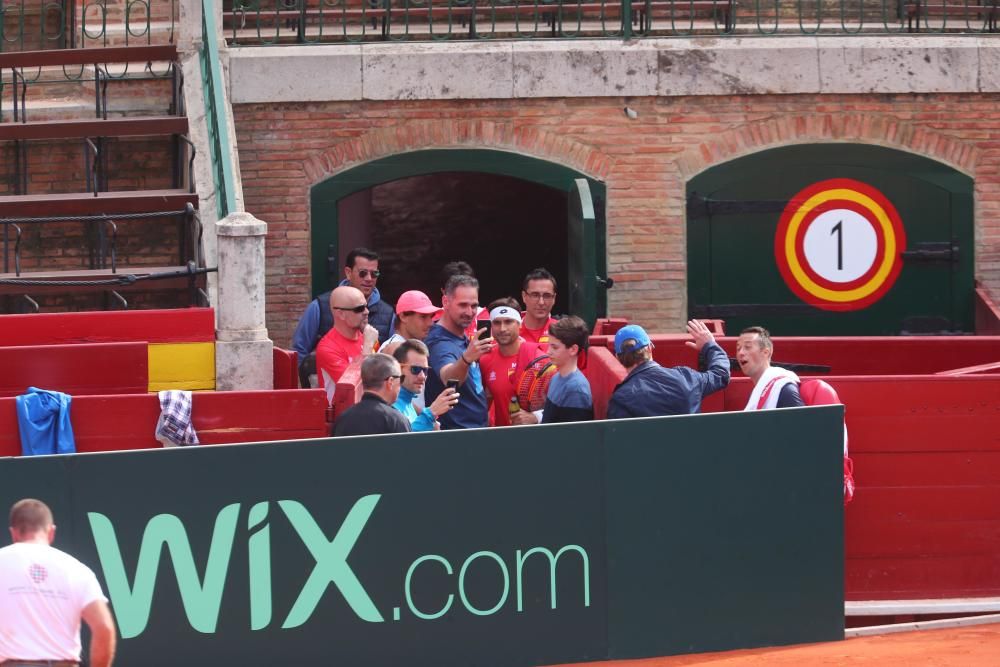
650	390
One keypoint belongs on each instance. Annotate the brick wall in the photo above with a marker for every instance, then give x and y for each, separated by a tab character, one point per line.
286	148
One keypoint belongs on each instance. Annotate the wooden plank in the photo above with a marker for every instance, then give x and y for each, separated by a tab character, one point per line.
155	326
90	368
891	537
98	56
103	203
78	129
941	576
189	366
924	503
928	468
286	368
158	285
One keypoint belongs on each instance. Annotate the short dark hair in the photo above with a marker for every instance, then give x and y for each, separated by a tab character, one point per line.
352	256
765	337
508	301
571	330
539	274
28	516
459	280
404	348
376	368
455	269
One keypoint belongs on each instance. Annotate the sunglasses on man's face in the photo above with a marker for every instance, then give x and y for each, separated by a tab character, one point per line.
355	309
364	273
417	370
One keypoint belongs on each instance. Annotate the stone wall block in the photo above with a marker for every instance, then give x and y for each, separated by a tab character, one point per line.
582	69
742	66
935	64
295	74
437	71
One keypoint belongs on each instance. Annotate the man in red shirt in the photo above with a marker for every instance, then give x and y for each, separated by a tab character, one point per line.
538	291
502	366
345	342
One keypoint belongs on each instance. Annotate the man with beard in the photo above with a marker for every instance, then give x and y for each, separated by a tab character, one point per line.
454	357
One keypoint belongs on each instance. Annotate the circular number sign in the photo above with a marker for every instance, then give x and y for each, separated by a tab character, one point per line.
838	244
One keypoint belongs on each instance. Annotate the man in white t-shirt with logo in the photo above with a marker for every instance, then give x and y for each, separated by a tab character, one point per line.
44	593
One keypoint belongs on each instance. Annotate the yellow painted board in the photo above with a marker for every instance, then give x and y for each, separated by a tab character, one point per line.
181	366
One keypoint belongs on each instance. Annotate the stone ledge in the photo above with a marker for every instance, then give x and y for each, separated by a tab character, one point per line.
608	68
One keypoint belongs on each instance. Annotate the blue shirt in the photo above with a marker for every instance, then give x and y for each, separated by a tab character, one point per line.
568	399
471	411
422	421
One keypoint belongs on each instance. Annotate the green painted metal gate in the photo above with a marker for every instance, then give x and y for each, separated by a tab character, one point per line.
586	244
746	265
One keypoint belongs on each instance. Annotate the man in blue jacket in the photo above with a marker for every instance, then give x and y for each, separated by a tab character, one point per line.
650	390
360	271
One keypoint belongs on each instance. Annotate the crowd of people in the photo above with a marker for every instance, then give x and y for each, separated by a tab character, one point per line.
426	367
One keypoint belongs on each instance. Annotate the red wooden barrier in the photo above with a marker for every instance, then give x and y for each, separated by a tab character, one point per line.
925	520
186	325
127	422
88	368
604	373
349	389
847	355
286	368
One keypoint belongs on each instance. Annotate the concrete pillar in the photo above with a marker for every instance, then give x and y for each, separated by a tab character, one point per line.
242	349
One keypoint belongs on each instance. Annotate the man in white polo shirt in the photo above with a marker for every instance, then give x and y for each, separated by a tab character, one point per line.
44	593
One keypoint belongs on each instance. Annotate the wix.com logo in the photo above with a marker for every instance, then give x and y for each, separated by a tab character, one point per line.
202	596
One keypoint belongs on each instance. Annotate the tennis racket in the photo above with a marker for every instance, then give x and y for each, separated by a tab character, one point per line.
533	384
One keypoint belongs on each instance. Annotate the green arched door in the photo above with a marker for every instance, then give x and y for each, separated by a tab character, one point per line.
832	239
585	295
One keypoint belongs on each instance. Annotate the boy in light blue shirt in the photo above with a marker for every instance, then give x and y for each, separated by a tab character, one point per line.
568	398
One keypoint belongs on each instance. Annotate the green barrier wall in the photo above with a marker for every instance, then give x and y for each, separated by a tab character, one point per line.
526	546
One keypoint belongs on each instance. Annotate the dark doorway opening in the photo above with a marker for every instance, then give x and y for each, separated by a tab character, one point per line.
502	226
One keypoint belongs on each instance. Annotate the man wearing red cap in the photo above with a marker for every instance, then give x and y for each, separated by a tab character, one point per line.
414	318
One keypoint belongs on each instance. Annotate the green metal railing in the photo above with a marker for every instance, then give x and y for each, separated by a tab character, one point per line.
30	25
274	22
223	171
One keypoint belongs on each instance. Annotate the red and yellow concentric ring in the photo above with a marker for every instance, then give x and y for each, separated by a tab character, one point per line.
802	211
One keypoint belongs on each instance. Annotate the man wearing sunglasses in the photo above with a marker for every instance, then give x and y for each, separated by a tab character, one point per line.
412	357
345	341
538	291
361	272
374	414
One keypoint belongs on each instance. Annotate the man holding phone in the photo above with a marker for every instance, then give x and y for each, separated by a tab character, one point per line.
453	356
503	365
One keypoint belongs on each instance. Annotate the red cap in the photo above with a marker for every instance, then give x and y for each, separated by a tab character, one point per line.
415	301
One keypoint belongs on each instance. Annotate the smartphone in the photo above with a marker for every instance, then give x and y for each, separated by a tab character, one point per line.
484	324
452	384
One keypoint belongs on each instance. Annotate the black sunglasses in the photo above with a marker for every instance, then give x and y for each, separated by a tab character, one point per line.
364	273
417	370
398	377
356	309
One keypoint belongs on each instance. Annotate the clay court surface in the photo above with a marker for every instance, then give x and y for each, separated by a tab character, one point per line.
973	646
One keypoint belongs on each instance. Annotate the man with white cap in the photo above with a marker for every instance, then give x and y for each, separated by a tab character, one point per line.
502	366
650	390
414	318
